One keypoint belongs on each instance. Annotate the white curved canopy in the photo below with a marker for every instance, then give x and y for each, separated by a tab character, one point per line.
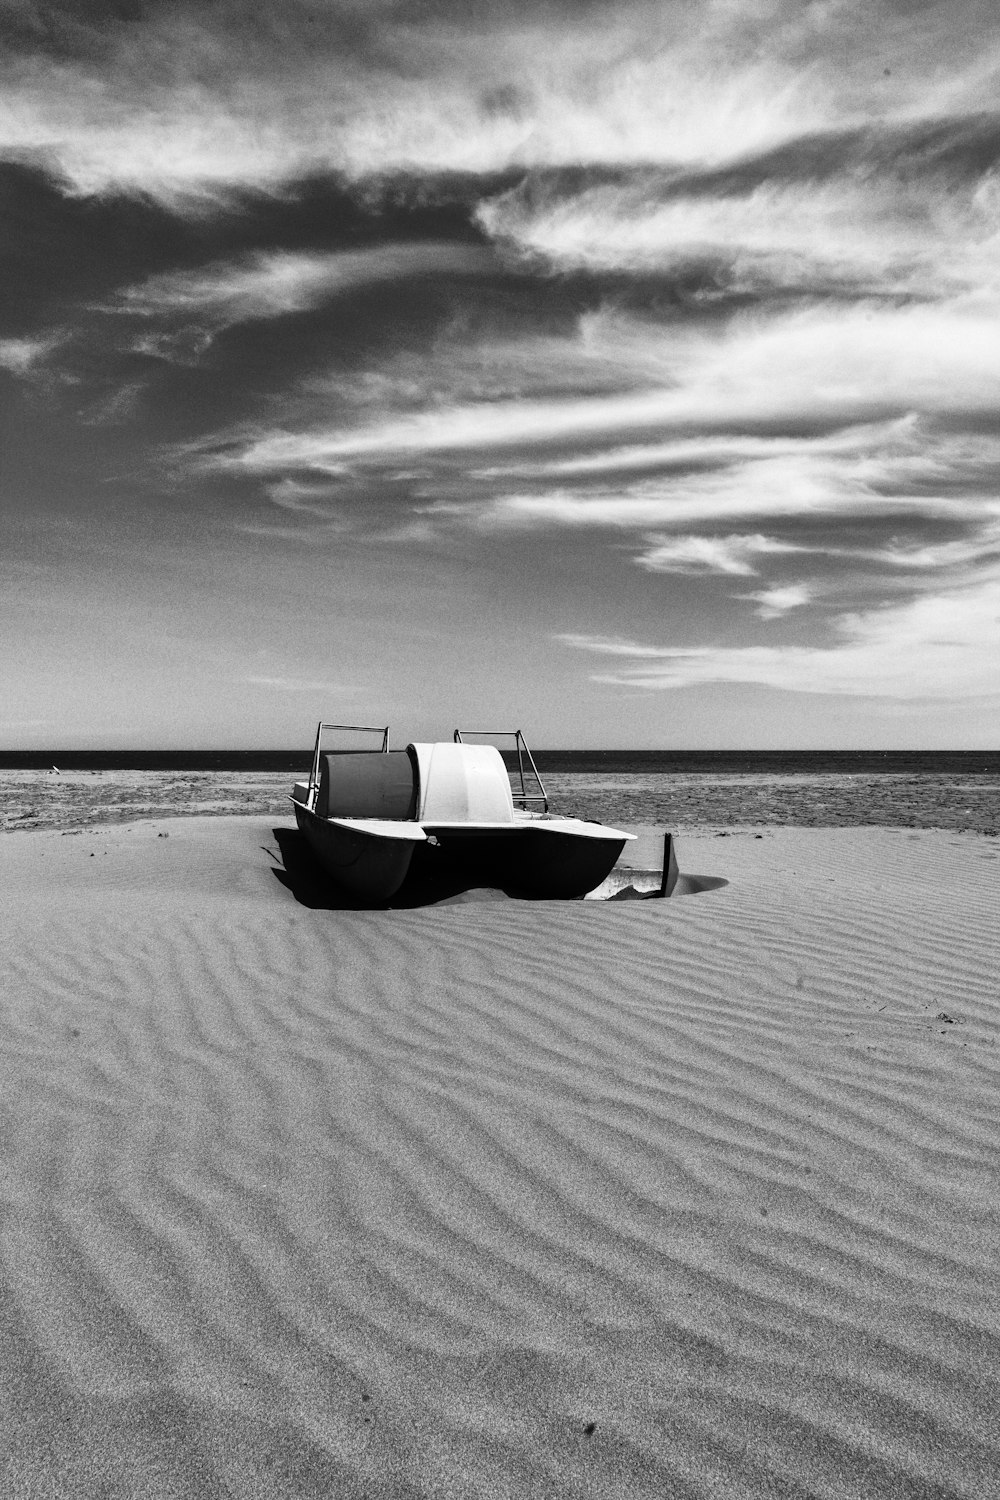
462	784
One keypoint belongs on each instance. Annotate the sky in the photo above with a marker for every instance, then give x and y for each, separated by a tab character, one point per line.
627	373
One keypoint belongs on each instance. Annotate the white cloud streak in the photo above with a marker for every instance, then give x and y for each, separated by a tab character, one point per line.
191	102
731	503
272	285
186	106
742	556
775	602
296	685
945	644
823	364
806	485
882	236
25	356
734	555
714	444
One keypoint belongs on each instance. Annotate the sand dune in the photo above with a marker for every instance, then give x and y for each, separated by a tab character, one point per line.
683	1198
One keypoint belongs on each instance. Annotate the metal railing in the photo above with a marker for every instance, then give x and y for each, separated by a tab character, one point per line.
523	752
350	729
520	744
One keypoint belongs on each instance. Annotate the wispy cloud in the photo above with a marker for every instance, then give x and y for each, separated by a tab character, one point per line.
775	602
821	365
702	295
185	102
754	450
272	285
944	644
188	103
901	231
317	499
737	555
296	685
25	356
745	555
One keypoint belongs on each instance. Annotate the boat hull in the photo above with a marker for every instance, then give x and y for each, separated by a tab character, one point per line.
540	862
531	863
563	866
367	866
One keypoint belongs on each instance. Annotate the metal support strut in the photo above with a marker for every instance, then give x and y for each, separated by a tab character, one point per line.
521	746
349	728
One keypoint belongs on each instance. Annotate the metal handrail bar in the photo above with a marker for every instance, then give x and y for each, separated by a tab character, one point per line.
313	787
541	794
521	745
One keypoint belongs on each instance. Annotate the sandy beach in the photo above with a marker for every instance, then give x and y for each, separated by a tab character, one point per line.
696	1197
967	803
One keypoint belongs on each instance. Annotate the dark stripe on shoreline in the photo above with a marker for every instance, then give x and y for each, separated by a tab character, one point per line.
590	762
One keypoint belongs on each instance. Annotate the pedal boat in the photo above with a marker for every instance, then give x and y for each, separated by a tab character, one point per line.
445	810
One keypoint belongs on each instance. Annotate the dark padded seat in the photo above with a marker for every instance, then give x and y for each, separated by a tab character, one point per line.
367	784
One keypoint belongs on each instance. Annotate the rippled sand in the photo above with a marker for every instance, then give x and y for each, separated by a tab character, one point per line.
696	1197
